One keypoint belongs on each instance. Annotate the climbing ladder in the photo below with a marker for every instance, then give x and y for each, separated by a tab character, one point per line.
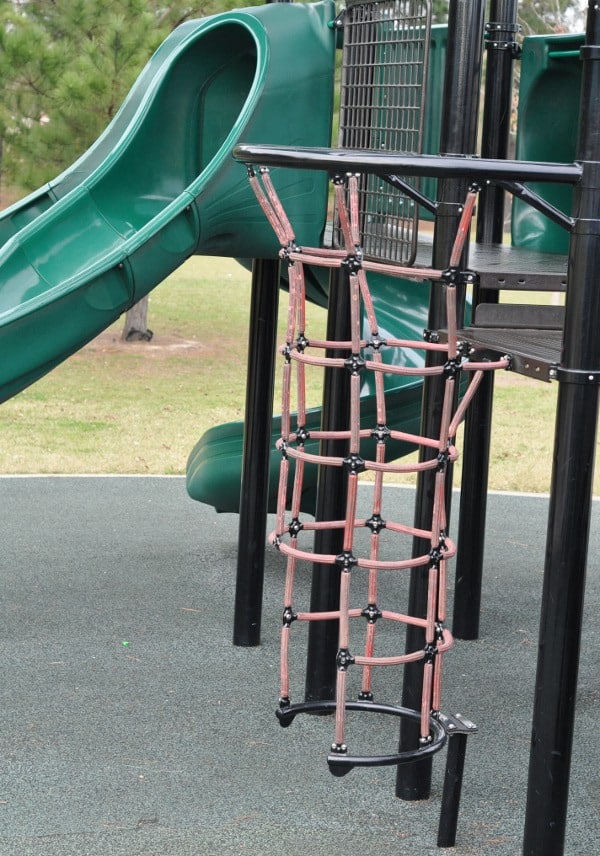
363	560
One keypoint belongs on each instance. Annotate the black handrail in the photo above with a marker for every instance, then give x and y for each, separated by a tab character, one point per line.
386	163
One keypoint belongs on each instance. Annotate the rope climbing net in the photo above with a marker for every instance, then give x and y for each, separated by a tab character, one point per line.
363	550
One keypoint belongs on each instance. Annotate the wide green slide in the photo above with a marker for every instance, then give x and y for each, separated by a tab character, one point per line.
160	184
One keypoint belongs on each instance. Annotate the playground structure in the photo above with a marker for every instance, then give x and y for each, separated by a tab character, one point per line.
118	252
537	344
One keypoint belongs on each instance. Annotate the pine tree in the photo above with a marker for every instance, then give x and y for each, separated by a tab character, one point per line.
68	69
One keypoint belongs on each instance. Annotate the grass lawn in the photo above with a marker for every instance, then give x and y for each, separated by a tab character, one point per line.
140	408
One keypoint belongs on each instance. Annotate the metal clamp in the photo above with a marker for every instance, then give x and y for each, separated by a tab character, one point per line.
580	376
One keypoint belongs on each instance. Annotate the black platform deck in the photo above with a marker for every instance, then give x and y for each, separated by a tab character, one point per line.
530	335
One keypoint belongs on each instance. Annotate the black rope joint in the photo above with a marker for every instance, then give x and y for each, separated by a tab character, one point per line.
432	336
381	433
464	349
288	616
339	748
344	659
354	464
284	701
276	541
376	523
430	652
295	526
436	555
353	262
302	343
285	252
372	613
453	367
283	447
302	435
375	342
450	275
365	695
442	461
286	352
346	560
355	364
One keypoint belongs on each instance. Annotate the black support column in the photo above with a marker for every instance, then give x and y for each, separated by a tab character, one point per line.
458	136
321	667
257	445
570	501
501	50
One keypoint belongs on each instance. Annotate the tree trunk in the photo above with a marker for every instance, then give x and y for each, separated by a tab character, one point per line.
136	323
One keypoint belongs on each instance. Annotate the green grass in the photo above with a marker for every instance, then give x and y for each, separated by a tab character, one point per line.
113	408
140	409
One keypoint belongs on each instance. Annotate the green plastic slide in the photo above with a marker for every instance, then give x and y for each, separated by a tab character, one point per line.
548	122
160	184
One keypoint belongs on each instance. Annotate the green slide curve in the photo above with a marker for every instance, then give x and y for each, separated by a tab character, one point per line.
160	184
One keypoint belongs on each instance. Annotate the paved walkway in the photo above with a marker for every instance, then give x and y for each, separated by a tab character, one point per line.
131	725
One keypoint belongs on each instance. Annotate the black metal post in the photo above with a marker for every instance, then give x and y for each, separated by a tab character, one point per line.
256	451
501	50
455	762
458	136
570	500
321	669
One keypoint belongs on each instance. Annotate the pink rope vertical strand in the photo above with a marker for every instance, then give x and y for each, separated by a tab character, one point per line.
270	204
375	522
464	226
347	562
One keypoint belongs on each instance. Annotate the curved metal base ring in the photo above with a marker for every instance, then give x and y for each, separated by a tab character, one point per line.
340	762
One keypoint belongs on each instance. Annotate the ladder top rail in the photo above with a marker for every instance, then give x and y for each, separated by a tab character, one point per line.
390	163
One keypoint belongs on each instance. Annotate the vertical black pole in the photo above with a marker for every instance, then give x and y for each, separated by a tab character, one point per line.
458	136
254	494
455	762
570	500
321	669
500	44
256	451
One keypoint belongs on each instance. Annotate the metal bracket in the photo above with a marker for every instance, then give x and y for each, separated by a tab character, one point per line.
456	276
456	723
497	37
580	376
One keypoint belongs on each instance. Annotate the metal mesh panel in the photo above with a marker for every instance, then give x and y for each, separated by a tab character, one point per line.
383	79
